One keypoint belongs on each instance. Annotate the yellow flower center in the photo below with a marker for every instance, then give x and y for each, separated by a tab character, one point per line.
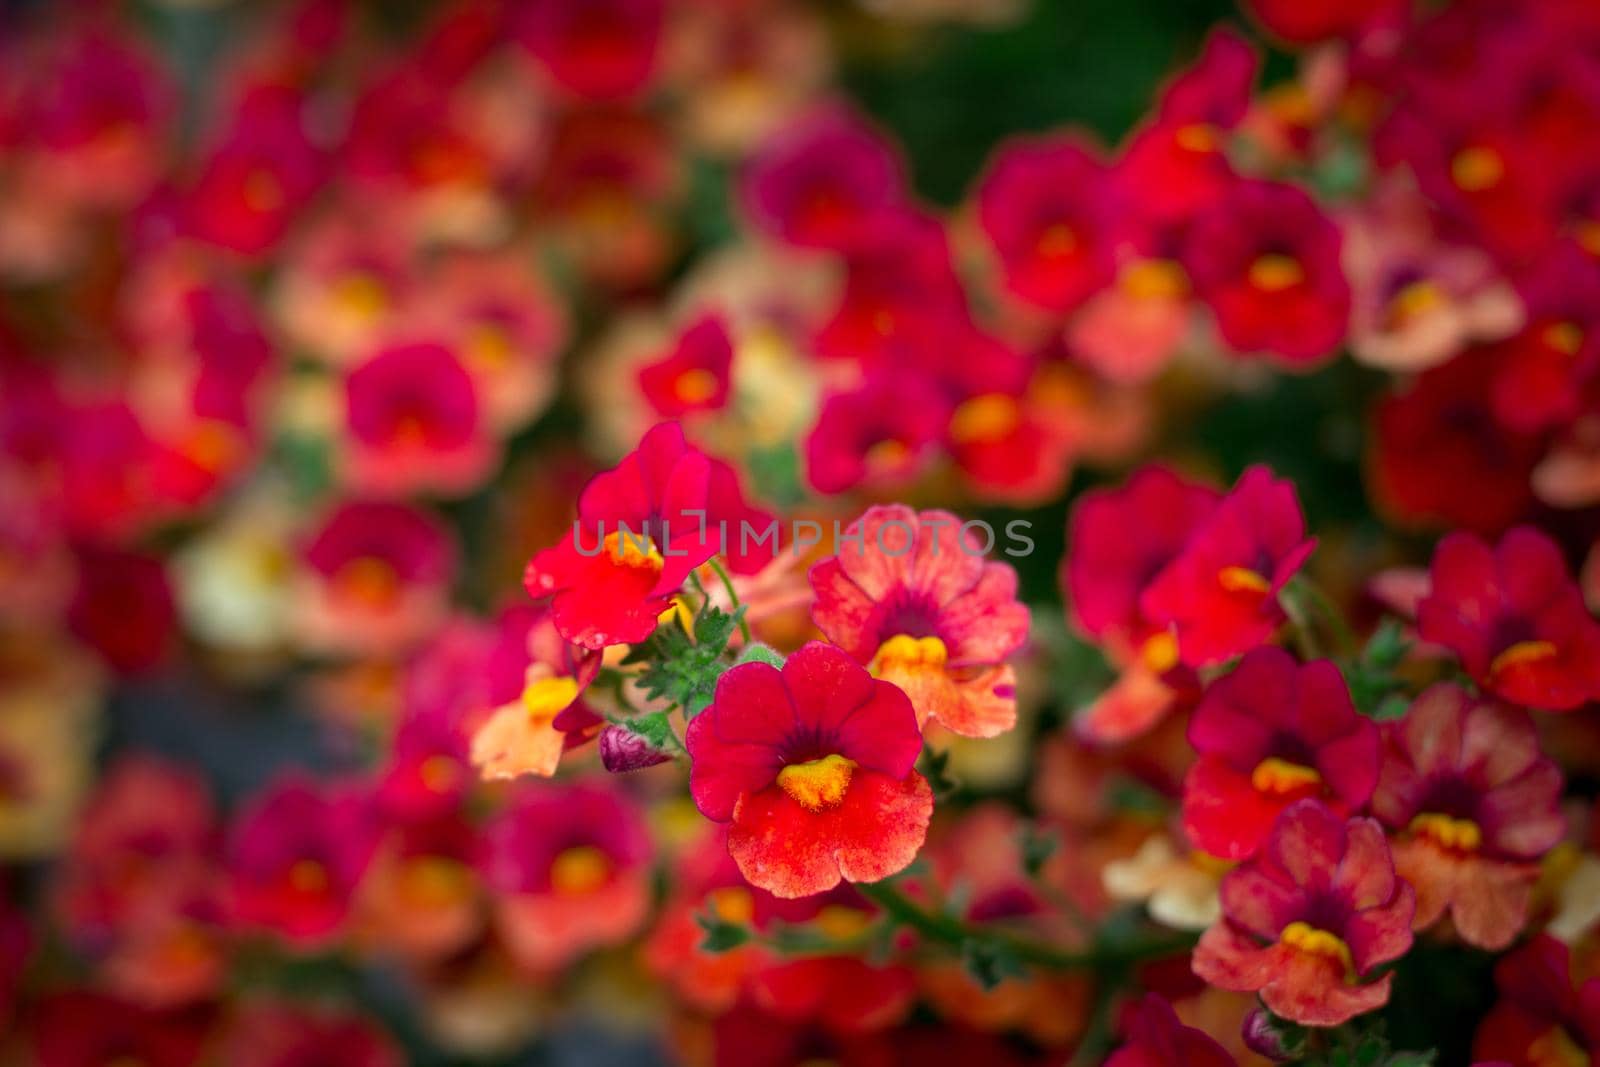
695	386
580	869
435	882
1280	777
1522	654
839	923
904	652
548	697
818	785
1307	938
308	876
370	580
361	296
633	548
1460	835
1477	169
1564	337
1415	300
1243	580
1275	273
1556	1048
1159	653
732	904
1057	242
989	417
1153	279
489	346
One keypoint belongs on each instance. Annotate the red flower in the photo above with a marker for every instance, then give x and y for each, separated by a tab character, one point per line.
821	180
1543	1019
84	1029
1473	805
881	434
296	858
286	1035
1515	618
1266	260
258	180
645	524
694	375
416	423
844	994
1440	456
1271	733
123	608
595	48
813	768
1545	368
1309	21
1307	921
1220	595
571	866
1157	1039
915	600
1043	206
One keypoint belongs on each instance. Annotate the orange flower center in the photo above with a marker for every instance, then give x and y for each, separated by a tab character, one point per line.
439	773
435	882
1556	1048
1159	653
1154	279
580	869
1243	580
361	296
1282	778
631	548
732	904
904	652
1477	169
1304	937
1276	272
1415	300
308	876
888	455
548	697
1057	242
212	445
989	417
1564	337
1522	654
1458	835
369	580
1197	137
820	784
695	386
489	346
839	923
1588	234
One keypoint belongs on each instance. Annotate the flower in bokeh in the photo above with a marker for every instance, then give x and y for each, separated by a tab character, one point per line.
123	608
1473	806
1268	734
1156	1038
1220	595
599	49
1515	617
647	523
270	1034
421	898
81	1028
1545	1016
813	768
882	434
528	732
1307	922
569	865
49	703
693	376
911	596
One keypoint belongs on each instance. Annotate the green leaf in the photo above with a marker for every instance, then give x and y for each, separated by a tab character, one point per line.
759	653
655	727
682	671
935	767
1038	845
721	935
990	963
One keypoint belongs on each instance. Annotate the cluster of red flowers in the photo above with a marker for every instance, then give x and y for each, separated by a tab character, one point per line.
300	372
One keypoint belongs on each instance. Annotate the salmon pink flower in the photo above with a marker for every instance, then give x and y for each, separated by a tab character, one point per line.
1544	1018
1515	618
570	866
375	578
694	375
1473	806
1266	260
1042	206
1271	733
1307	922
1157	1039
296	858
645	524
812	767
910	596
1118	541
415	423
1220	595
821	179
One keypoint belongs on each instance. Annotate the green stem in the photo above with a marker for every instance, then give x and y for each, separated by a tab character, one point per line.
953	932
1343	636
733	598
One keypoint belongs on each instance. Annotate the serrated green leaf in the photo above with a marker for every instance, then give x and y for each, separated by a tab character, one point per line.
655	727
759	653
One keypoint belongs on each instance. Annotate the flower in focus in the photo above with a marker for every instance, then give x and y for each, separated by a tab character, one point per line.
570	867
812	767
1515	618
1309	919
649	521
910	595
1270	733
1220	595
1473	806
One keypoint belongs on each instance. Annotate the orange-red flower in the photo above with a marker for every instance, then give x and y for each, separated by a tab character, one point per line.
1307	922
914	599
812	767
1473	805
1544	1018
